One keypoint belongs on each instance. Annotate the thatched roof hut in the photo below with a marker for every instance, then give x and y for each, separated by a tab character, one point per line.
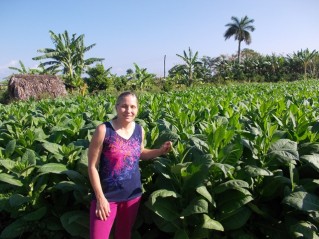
23	87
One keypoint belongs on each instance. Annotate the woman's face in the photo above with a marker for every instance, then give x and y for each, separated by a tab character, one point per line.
127	108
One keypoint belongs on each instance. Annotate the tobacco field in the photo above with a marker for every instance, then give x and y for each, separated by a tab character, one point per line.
244	164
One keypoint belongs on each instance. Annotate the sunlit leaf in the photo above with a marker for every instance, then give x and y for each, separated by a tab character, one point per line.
284	150
11	145
202	190
197	205
255	171
212	224
312	160
303	201
52	168
10	179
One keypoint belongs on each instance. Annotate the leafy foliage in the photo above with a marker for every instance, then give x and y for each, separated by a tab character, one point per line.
67	56
244	163
99	78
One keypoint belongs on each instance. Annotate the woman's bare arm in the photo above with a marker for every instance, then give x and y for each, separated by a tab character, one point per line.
95	150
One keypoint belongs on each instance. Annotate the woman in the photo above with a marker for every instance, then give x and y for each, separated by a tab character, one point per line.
114	153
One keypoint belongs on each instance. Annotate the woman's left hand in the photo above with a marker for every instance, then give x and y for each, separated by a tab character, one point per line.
166	147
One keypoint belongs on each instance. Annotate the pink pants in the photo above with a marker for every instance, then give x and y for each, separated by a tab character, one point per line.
124	213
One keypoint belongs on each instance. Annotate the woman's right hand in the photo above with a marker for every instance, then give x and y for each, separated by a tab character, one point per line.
102	208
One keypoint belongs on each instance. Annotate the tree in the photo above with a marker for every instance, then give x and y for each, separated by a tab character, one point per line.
240	30
306	58
190	67
99	78
68	55
40	70
139	78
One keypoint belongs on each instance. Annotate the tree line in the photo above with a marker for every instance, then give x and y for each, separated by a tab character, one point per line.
67	60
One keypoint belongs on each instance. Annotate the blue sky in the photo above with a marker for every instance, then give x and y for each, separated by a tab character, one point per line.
143	31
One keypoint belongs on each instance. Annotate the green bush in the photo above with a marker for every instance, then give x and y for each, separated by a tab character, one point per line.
99	78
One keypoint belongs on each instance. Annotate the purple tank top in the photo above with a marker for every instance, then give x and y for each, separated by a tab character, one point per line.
119	165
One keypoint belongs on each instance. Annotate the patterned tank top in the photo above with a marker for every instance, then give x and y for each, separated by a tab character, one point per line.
119	165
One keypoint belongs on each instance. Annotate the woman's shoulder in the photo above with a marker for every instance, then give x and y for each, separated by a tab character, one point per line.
101	128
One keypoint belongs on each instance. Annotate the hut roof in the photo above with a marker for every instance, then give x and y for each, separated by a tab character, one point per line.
24	87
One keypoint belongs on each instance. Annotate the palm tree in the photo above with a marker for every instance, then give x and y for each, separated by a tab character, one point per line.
21	70
139	78
190	66
306	57
40	70
240	30
68	55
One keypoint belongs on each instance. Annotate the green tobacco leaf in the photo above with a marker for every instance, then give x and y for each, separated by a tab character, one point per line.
154	134
53	223
17	200
36	215
164	136
199	142
10	148
231	153
181	234
219	135
52	148
165	208
303	229
162	193
81	143
10	179
273	184
162	169
310	185
40	135
8	164
231	184
197	205
75	177
284	150
224	168
76	223
14	230
202	190
66	186
200	232
315	128
196	175
312	160
231	200
303	201
212	224
52	168
82	163
257	210
308	148
255	171
29	156
180	169
165	225
235	219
